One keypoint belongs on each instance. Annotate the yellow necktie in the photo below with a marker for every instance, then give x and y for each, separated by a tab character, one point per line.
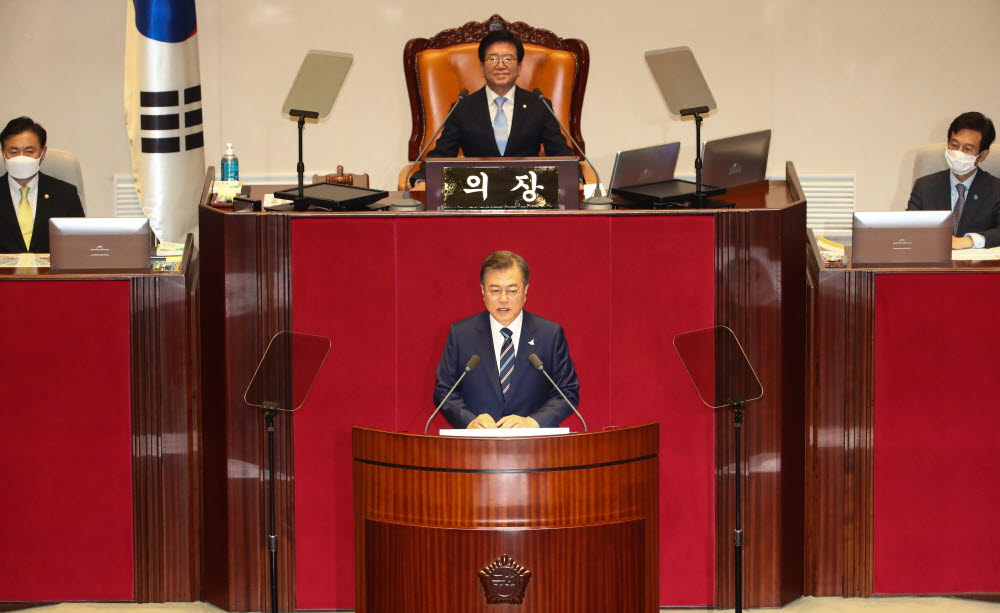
24	217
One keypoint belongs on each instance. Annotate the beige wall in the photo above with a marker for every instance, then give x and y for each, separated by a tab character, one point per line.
847	86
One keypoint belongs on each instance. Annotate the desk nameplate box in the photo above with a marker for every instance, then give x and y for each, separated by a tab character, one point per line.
503	183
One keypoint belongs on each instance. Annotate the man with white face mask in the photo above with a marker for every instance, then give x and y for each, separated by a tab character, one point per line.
969	191
34	196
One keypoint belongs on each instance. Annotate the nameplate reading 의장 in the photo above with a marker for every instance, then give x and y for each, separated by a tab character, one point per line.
505	187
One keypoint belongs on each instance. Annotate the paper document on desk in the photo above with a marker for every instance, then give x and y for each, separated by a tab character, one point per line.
976	254
503	433
24	260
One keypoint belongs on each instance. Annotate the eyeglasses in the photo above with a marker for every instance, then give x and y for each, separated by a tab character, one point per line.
512	292
507	60
967	149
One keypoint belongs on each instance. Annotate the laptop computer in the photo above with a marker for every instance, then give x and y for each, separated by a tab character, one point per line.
99	242
736	160
646	176
644	165
902	237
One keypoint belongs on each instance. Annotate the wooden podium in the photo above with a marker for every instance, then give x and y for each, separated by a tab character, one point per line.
562	523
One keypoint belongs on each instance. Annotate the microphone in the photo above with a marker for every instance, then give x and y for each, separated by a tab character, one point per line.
595	202
469	367
537	363
408	203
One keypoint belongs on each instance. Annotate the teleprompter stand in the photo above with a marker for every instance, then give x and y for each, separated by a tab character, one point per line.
282	381
724	379
312	95
686	93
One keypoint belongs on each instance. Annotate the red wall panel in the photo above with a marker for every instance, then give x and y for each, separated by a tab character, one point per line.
66	444
936	438
386	290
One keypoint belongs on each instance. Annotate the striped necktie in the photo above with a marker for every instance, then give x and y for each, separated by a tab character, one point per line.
25	220
500	124
959	205
506	360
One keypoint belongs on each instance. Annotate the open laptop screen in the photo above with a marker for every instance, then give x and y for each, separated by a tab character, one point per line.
644	165
901	237
736	160
99	242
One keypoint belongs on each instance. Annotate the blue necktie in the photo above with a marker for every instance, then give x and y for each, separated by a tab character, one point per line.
506	360
500	124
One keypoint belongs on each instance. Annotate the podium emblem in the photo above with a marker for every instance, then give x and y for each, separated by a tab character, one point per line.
504	581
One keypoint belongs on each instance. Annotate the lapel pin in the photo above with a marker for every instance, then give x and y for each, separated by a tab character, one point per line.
524	106
974	196
46	196
532	342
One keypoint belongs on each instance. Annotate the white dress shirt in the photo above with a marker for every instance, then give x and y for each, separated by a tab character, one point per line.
508	107
515	337
978	240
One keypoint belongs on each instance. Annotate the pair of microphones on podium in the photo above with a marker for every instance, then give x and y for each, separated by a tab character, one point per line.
474	361
597	201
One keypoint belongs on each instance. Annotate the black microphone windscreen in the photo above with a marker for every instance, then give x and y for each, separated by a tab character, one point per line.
463	93
538	92
535	361
472	363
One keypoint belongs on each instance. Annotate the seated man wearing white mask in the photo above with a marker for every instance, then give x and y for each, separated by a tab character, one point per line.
34	196
969	191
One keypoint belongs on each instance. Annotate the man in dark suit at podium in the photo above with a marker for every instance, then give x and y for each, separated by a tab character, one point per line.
506	391
32	197
499	119
969	191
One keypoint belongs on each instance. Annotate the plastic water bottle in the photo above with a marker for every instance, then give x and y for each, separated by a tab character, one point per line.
230	165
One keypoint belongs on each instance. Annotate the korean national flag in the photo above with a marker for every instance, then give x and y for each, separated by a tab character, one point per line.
163	113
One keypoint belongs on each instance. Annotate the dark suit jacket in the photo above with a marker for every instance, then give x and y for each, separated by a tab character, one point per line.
470	130
981	214
55	199
530	395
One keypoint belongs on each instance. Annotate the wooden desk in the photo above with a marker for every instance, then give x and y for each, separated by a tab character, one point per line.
100	445
578	512
902	431
385	287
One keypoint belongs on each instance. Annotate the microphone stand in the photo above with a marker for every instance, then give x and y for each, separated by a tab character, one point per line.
597	202
407	202
700	201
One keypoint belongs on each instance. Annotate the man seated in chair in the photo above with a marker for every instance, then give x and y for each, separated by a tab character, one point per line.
969	191
34	196
499	119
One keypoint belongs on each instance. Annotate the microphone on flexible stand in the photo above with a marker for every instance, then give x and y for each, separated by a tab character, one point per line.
407	202
537	363
597	202
469	367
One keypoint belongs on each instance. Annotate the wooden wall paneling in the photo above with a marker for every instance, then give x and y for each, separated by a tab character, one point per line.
824	552
859	400
761	295
147	441
242	306
166	432
794	316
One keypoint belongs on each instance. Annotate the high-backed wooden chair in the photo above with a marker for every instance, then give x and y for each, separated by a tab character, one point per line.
438	68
